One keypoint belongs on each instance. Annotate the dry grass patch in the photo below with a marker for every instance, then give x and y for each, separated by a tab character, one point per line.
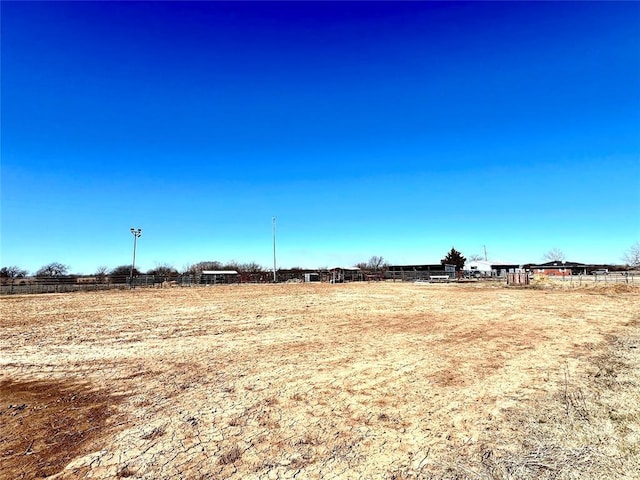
231	455
373	381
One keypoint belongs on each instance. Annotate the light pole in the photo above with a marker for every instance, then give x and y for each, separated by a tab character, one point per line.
275	278
136	234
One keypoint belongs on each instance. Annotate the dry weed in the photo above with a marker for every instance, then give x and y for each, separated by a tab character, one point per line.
589	429
231	455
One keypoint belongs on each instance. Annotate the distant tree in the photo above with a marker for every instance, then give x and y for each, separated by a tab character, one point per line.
231	265
454	257
101	273
375	264
475	257
123	271
251	267
554	255
53	269
632	256
12	272
197	268
214	265
163	270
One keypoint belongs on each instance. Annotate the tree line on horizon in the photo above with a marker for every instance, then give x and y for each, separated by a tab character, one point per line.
374	264
57	269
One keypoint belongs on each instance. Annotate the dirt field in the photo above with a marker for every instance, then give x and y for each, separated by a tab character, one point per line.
368	381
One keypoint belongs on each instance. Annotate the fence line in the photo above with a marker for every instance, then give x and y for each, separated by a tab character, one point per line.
629	278
611	277
80	284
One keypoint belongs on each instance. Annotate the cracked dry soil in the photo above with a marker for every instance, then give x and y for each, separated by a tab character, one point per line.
378	380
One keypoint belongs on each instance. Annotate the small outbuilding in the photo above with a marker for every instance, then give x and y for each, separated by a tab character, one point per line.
478	268
312	277
559	269
345	274
490	268
215	277
421	272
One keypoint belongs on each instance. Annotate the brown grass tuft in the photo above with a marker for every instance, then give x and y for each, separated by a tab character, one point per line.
232	455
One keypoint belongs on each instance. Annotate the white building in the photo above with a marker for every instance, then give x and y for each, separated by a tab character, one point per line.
489	268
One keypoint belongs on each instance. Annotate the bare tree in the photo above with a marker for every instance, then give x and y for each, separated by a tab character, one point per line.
12	272
375	264
163	270
475	257
232	265
632	256
8	275
197	268
101	273
251	267
54	269
554	255
123	271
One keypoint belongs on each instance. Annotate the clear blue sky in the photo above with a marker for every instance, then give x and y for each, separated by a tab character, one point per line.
392	129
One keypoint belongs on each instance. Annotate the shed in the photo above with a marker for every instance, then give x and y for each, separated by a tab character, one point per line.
345	274
559	268
490	268
213	277
478	268
420	272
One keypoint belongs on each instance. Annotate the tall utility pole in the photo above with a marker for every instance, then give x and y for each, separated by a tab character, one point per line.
275	278
136	234
485	253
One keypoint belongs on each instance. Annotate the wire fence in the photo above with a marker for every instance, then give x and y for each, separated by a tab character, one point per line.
630	277
115	282
79	284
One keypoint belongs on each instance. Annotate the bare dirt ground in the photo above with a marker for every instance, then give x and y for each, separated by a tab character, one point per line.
370	381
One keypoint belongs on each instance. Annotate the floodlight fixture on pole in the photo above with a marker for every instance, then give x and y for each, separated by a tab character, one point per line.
275	278
136	234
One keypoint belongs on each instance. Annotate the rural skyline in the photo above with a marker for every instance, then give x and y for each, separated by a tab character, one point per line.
366	128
